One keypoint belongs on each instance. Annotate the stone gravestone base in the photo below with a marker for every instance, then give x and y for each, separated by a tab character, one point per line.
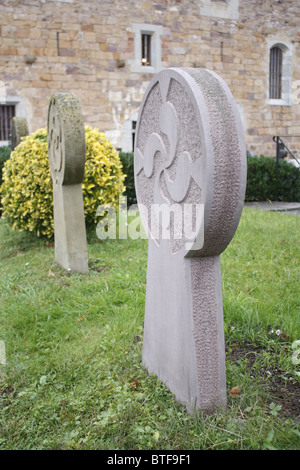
183	331
66	150
189	153
69	228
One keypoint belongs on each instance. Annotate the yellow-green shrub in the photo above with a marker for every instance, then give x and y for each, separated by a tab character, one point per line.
27	197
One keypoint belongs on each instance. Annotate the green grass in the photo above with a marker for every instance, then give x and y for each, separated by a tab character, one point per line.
73	377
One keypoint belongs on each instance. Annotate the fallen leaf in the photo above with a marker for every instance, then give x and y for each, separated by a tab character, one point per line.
50	273
235	391
81	318
135	384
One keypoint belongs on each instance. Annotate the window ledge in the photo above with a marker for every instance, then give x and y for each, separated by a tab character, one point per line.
145	68
10	100
273	102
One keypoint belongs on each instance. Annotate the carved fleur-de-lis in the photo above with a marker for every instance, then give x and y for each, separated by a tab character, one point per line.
178	186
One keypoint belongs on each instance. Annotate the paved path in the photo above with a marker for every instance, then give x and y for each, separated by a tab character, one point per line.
289	207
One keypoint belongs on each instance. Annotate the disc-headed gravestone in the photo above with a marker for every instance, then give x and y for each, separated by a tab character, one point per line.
66	151
189	154
19	129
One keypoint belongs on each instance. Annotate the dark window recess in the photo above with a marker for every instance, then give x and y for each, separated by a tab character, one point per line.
146	49
133	134
57	44
7	112
275	73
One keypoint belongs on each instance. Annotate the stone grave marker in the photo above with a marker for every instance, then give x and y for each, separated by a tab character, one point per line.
189	155
66	151
19	129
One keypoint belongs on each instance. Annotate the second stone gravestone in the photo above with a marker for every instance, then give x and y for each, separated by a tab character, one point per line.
19	129
66	151
189	155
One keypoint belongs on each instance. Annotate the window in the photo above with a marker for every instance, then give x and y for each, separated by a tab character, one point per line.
147	48
128	133
11	105
279	74
275	74
133	126
7	112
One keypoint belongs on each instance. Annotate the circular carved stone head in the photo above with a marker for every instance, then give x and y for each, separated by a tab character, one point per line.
66	139
189	151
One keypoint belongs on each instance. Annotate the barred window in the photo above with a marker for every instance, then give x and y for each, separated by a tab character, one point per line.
7	112
275	75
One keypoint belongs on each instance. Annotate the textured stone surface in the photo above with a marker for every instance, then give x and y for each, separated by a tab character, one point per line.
66	150
190	150
66	139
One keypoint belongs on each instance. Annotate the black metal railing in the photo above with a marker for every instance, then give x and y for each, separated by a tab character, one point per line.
282	149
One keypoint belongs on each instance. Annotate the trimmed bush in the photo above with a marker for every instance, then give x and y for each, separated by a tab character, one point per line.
127	163
267	182
27	195
264	180
4	155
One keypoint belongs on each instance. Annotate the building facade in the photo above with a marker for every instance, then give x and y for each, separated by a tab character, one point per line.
107	52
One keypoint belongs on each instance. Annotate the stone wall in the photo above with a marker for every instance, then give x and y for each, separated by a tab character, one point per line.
92	48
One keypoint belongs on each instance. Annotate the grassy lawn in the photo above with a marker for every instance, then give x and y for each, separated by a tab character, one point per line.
73	377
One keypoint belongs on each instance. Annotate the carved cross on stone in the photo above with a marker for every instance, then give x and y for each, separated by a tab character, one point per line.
189	153
66	151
